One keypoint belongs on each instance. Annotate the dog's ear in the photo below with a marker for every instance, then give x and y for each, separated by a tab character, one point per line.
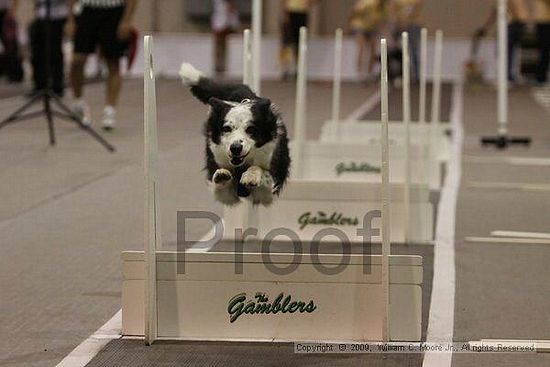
217	104
264	106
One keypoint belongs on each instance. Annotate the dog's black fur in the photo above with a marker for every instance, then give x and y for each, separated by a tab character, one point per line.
266	127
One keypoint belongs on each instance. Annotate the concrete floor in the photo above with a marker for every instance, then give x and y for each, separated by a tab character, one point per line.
67	213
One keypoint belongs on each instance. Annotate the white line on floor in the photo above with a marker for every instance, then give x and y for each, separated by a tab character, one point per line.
83	354
504	240
517	234
517	161
535	187
366	107
441	317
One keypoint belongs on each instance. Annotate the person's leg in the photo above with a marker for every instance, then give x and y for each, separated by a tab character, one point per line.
361	43
219	52
114	82
372	47
77	74
515	33
56	58
543	41
414	43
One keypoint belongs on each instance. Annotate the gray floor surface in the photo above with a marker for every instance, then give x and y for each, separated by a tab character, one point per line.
67	213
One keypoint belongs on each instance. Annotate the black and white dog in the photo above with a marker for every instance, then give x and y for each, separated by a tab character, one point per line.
247	152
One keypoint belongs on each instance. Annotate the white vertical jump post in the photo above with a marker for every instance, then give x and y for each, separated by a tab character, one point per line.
152	229
250	213
386	245
436	92
423	75
247	58
406	122
502	68
256	45
503	140
300	113
337	81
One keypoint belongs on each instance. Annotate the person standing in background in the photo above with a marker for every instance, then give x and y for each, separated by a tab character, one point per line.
406	15
365	20
103	23
295	15
225	20
39	44
542	20
518	17
10	61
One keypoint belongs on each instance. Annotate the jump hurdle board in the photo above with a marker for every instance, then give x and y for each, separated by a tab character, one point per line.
361	162
308	206
346	306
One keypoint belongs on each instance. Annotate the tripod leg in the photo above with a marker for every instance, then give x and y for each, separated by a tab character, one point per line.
48	111
15	115
72	116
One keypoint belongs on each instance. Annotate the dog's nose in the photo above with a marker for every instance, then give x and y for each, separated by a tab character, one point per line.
236	148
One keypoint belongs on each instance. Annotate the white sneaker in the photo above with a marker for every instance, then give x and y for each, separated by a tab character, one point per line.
82	110
108	120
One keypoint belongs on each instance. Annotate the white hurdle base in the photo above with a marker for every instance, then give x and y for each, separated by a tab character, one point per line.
347	306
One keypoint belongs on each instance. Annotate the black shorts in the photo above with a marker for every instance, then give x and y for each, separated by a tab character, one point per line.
98	27
291	33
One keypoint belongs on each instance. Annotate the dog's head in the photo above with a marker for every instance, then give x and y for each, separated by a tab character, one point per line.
235	130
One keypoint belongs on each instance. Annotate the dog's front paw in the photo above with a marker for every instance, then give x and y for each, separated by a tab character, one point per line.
252	178
222	176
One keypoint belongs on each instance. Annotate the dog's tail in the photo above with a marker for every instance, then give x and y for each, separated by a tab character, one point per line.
204	88
190	76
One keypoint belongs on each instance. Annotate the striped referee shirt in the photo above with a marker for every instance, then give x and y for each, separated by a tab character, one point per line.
102	3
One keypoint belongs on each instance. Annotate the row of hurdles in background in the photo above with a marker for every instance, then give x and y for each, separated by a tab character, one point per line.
336	179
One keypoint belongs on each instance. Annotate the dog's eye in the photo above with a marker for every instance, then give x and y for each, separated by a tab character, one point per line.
227	129
251	130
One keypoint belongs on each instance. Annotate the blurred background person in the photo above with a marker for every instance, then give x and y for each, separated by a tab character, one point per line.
518	17
107	24
406	15
365	21
542	20
10	62
59	11
295	14
225	20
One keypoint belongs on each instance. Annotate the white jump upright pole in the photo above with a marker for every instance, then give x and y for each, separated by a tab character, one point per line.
423	75
503	140
256	44
152	229
386	245
502	68
406	121
247	58
300	113
337	81
250	212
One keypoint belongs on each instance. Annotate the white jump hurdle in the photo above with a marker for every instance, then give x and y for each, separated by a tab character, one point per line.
433	135
210	300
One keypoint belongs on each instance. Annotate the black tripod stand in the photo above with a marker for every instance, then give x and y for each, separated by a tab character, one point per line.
48	98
